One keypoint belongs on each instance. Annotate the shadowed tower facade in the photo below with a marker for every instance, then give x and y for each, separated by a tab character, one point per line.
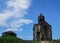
42	30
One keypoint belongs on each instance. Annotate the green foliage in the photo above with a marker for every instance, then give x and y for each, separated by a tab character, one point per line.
12	39
56	41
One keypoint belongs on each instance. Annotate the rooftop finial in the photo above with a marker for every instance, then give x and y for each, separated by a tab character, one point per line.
41	14
41	18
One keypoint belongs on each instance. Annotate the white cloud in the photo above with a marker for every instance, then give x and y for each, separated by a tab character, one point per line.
19	4
16	24
16	9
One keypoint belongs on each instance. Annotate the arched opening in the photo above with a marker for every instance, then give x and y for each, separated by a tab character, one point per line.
38	35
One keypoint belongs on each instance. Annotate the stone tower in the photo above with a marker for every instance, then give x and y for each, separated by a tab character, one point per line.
42	30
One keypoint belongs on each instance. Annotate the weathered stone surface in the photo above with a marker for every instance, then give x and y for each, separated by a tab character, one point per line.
42	30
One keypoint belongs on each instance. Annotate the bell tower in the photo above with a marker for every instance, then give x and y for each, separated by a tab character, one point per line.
42	30
41	19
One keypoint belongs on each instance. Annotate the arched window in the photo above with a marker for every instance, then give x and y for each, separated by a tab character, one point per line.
38	35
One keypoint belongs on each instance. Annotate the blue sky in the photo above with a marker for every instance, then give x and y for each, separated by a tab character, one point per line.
20	16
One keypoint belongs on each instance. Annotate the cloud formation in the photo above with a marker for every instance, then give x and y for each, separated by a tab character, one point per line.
13	16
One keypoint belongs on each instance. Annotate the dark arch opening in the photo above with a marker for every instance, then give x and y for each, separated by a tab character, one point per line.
38	35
